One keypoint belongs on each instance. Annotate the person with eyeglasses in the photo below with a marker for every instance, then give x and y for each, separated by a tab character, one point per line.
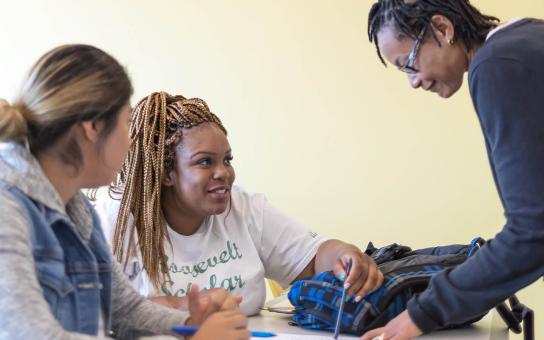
435	43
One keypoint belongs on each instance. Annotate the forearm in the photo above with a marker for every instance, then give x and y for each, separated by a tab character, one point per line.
171	301
329	252
132	313
504	266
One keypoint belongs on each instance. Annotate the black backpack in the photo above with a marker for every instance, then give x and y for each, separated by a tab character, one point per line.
406	272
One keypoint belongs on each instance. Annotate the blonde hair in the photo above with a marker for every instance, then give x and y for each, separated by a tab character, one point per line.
67	85
12	123
156	129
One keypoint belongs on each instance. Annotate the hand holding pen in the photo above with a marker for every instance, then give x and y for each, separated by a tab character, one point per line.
364	276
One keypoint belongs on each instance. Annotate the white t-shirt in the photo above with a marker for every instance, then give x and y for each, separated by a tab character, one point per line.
235	250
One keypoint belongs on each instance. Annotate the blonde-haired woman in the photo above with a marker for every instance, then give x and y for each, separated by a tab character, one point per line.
68	130
177	220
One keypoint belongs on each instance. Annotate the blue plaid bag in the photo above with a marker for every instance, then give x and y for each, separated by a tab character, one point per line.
406	272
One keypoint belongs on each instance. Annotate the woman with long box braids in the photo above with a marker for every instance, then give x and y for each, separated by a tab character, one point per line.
175	218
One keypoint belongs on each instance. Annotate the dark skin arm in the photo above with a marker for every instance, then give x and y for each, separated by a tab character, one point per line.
331	255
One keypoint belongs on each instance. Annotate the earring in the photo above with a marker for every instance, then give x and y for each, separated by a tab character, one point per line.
451	41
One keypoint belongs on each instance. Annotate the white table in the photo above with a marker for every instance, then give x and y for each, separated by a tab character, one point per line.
491	327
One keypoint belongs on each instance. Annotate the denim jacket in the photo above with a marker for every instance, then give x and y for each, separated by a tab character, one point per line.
57	265
73	265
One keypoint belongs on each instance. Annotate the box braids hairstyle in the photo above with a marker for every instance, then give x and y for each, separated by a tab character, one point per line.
156	129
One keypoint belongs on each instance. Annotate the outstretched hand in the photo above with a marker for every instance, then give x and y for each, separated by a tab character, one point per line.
400	328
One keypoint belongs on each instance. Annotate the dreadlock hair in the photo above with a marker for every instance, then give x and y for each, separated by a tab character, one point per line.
155	130
409	17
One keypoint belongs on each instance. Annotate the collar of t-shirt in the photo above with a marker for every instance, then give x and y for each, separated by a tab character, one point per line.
503	26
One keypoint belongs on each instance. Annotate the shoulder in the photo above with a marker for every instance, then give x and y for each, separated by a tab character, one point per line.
243	201
107	209
508	69
12	202
107	205
247	206
14	218
521	42
245	212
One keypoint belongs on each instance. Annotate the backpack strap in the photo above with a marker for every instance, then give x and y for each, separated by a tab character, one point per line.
515	315
388	253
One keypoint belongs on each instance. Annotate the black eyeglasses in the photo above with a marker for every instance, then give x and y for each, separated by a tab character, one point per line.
409	66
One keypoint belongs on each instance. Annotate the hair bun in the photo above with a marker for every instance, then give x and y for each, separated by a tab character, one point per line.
4	105
13	124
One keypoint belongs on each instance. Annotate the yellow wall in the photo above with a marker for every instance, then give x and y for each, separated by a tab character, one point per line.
315	121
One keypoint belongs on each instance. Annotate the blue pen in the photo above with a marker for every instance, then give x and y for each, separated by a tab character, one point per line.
341	308
191	330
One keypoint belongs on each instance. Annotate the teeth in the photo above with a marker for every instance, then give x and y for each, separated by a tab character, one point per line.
220	191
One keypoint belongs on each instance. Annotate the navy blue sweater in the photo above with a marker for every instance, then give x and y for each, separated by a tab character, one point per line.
506	79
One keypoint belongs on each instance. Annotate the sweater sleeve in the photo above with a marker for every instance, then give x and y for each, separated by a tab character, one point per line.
509	99
133	315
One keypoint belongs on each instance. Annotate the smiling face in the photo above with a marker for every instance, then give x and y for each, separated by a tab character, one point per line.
439	68
202	177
